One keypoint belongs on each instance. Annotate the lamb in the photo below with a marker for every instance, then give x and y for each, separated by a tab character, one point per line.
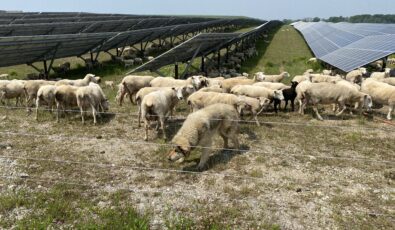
381	93
356	76
12	89
381	75
131	85
273	78
329	93
258	91
91	96
197	81
182	92
199	129
272	85
109	84
156	105
65	96
45	95
290	95
80	82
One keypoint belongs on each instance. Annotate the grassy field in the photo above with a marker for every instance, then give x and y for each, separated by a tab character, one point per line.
294	172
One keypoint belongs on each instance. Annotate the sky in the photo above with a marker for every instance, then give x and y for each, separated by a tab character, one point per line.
263	9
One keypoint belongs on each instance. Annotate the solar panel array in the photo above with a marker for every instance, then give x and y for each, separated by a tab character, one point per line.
75	39
201	45
348	46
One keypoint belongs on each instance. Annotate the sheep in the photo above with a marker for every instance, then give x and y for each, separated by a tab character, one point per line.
138	61
185	92
12	89
381	75
258	91
131	85
327	72
329	93
80	82
317	78
200	100
214	81
308	71
300	78
300	89
128	62
389	80
273	78
4	76
391	61
31	88
381	93
355	76
212	89
228	84
199	129
290	95
272	85
46	95
63	68
109	84
65	96
156	105
93	96
312	60
197	81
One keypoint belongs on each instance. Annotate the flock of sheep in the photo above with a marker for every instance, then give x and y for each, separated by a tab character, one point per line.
216	104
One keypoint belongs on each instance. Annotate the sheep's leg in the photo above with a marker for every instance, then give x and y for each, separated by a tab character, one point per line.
57	111
225	138
139	116
94	113
37	105
146	126
82	115
162	124
255	115
343	108
391	108
206	143
316	112
293	105
286	104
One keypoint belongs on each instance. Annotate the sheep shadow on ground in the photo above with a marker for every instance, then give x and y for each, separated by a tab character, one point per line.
220	157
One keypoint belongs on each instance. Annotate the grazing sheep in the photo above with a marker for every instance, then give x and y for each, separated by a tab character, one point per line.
65	97
109	84
131	85
80	82
12	89
197	81
138	61
185	92
156	105
381	75
91	96
257	92
272	85
381	93
273	78
356	76
329	93
31	88
128	62
45	95
199	129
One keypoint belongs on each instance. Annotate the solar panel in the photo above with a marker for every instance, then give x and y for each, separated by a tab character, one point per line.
348	46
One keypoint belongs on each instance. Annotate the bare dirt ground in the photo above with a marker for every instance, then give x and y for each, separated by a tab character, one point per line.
294	172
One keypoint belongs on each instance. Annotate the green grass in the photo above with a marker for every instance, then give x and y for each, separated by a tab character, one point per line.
287	51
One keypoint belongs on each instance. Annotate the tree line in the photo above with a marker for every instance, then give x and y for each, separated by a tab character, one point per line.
363	18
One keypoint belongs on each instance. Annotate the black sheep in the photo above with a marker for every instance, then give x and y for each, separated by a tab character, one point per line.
290	95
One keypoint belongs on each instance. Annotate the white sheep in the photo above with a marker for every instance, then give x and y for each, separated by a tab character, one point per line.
329	93
12	89
327	72
156	105
381	93
381	75
312	60
212	89
317	78
272	78
91	96
31	88
272	85
356	76
45	95
389	80
199	129
131	85
211	82
80	82
4	76
109	84
300	78
65	97
228	84
300	90
138	61
257	92
197	81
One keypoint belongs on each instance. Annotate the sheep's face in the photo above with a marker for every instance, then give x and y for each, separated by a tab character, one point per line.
188	90
278	94
178	154
198	81
179	93
242	106
105	104
264	102
363	70
294	84
259	76
286	74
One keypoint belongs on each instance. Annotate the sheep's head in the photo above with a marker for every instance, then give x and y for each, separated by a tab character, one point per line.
188	90
260	76
278	94
179	93
363	71
294	84
105	105
198	81
285	74
387	72
242	105
179	153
